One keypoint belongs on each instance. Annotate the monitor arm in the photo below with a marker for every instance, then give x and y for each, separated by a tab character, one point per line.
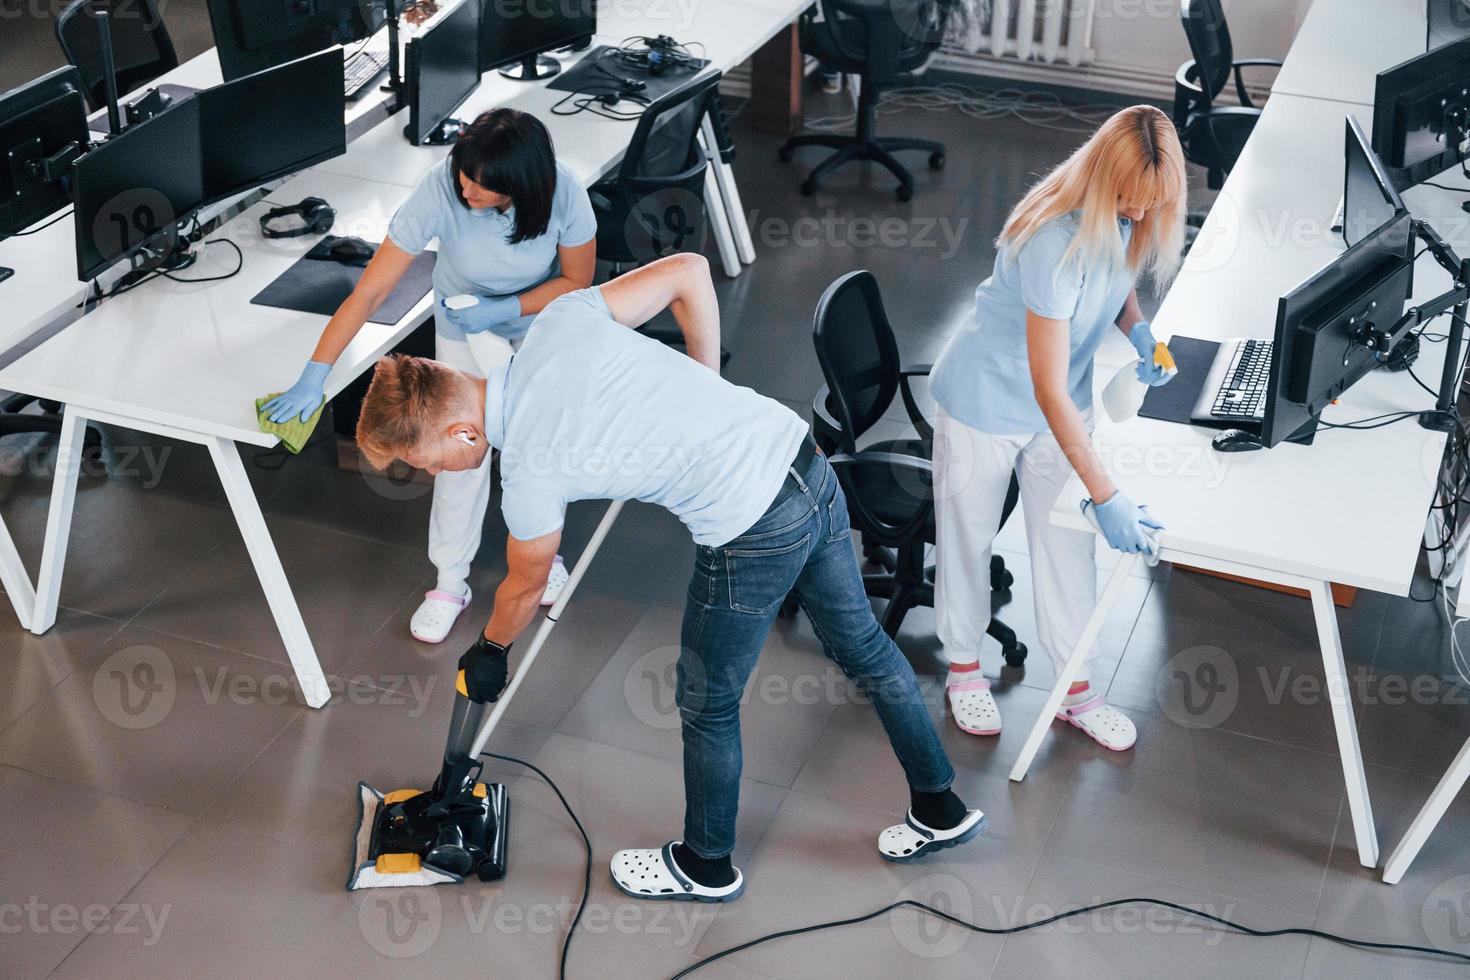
395	67
1442	417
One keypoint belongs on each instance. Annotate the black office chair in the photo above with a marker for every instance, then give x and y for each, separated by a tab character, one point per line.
141	47
888	484
654	205
1212	135
878	40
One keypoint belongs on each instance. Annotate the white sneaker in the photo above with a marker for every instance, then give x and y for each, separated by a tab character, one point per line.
436	615
555	582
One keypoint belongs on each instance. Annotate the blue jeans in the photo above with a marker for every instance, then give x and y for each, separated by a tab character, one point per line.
801	542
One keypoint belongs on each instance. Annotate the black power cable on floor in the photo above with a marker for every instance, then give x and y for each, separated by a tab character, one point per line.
920	906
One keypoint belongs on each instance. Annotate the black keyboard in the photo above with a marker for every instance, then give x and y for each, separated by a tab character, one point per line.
1242	394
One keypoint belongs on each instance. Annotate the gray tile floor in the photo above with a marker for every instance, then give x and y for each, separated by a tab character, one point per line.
170	808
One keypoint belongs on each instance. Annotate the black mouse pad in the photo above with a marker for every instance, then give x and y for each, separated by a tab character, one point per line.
1174	401
314	286
591	75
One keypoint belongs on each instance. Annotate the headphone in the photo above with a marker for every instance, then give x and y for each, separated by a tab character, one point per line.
317	214
465	438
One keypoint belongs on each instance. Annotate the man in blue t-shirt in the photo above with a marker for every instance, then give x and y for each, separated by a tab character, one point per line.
589	409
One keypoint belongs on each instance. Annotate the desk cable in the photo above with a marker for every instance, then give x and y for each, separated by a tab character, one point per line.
1223	923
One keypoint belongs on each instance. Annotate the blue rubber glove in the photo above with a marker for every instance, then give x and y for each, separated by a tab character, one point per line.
1141	336
302	398
1120	519
489	312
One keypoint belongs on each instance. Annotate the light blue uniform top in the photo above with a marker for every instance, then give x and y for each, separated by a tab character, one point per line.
474	254
589	409
983	378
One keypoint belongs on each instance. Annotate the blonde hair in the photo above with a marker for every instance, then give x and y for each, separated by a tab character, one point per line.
1133	160
407	398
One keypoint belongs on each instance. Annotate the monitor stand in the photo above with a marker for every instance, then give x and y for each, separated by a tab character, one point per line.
532	68
167	251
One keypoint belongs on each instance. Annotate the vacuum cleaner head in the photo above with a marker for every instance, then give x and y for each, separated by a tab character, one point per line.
410	837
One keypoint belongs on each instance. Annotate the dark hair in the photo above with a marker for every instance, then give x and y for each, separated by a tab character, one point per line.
509	152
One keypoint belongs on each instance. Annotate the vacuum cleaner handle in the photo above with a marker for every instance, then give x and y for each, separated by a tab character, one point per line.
544	631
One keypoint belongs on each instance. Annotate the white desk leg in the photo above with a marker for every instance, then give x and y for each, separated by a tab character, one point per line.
1439	801
15	579
725	178
1110	593
268	567
1339	692
719	221
58	519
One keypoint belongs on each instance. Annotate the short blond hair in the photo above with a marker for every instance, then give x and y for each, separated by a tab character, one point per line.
1135	156
408	397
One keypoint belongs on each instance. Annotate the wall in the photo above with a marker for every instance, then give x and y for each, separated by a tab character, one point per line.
1138	44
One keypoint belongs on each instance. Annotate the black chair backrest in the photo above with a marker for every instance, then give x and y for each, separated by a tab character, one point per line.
665	143
1209	42
876	38
141	47
857	352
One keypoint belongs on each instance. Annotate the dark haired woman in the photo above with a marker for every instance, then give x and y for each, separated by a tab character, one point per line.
515	231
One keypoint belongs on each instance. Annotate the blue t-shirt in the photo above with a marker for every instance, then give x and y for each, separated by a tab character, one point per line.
475	255
589	409
983	377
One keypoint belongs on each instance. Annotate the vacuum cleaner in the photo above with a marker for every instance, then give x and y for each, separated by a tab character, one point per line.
460	826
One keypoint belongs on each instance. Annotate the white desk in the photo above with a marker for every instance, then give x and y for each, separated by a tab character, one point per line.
188	361
1343	44
1282	515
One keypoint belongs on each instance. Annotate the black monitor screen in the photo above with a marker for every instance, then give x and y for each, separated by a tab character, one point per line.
38	121
1449	20
272	123
513	30
1368	195
136	185
444	68
252	35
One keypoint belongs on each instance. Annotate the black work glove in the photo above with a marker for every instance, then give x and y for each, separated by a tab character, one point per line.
483	671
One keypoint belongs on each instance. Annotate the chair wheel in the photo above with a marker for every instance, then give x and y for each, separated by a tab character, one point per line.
936	161
808	187
904	192
1016	655
1001	581
785	154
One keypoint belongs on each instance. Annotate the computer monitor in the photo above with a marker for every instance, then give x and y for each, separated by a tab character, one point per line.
1318	353
131	192
1449	20
514	33
252	35
1420	113
272	123
1368	195
43	127
441	69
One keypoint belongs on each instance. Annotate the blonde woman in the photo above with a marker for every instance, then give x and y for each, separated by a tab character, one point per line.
1014	387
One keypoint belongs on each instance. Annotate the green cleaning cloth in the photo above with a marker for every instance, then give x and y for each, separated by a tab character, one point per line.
293	433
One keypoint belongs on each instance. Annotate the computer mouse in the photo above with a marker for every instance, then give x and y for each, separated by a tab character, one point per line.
1236	441
352	251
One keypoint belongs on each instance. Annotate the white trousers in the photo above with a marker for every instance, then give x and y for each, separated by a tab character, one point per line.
972	471
460	498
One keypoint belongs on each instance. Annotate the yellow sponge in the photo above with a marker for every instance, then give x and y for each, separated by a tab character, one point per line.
1164	359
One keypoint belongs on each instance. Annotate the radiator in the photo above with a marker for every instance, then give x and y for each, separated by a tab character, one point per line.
1044	31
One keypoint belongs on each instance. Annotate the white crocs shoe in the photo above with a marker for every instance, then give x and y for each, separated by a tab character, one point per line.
909	840
652	873
973	706
435	617
1101	722
555	582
